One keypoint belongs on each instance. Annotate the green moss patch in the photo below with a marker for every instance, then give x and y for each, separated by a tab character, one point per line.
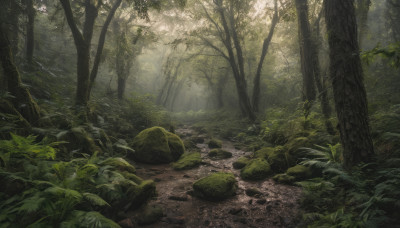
284	178
240	163
256	169
215	143
278	157
156	145
219	154
300	172
187	161
216	187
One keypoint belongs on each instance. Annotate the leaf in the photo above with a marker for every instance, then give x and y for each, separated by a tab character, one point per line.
31	204
95	199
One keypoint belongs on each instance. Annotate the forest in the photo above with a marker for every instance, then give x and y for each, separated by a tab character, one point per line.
199	113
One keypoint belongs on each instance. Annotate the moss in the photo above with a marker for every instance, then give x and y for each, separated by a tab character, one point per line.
240	163
137	195
120	164
132	177
278	158
149	215
155	145
300	172
215	143
284	178
264	152
256	169
216	187
219	154
189	143
187	161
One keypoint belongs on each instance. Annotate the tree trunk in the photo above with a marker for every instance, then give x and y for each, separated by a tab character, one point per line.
100	45
121	87
13	16
347	82
23	101
30	36
257	78
309	68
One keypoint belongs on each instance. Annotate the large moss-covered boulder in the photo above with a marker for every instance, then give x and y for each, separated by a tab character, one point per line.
241	162
219	154
156	145
300	172
216	187
256	169
284	178
187	161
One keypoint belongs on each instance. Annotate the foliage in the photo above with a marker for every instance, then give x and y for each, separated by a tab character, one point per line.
366	196
391	53
40	192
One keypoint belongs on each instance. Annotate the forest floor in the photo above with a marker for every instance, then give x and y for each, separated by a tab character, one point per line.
277	206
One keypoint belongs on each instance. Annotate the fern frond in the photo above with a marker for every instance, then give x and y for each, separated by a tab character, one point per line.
120	164
31	204
88	219
95	199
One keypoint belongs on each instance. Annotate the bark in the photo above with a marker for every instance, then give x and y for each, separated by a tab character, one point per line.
257	78
121	87
13	17
307	55
23	101
235	61
30	35
100	45
347	82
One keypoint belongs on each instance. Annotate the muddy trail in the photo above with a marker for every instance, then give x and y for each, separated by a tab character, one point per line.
276	206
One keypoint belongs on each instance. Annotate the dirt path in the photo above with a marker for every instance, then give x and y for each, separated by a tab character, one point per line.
276	207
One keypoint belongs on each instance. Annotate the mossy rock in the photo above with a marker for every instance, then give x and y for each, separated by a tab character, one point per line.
256	169
300	172
284	178
156	146
264	153
253	192
78	139
216	187
219	154
294	146
214	143
278	158
240	162
187	161
149	215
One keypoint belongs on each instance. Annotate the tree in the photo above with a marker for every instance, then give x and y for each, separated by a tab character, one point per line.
362	18
83	40
310	64
22	100
347	82
267	41
30	26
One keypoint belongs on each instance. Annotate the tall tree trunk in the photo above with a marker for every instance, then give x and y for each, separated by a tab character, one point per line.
13	17
121	87
30	35
236	65
257	78
100	45
23	101
309	68
347	82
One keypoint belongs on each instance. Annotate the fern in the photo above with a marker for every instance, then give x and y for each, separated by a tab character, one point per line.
88	219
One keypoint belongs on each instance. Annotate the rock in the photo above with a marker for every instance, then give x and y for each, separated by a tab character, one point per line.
156	145
214	143
240	163
126	223
189	143
300	172
216	187
261	201
78	139
149	215
284	178
175	220
256	169
253	192
235	211
278	158
241	220
178	198
219	154
187	161
198	139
